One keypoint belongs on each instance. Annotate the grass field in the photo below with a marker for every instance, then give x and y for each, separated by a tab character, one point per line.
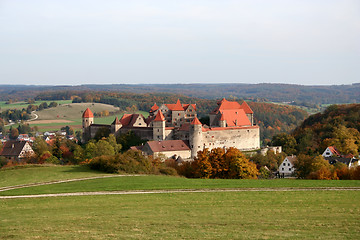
222	215
314	214
67	114
151	182
21	105
43	173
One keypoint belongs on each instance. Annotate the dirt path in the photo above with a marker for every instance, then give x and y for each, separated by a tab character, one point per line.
181	191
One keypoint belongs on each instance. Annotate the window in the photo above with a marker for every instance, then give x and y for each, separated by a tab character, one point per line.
288	164
290	169
284	164
282	169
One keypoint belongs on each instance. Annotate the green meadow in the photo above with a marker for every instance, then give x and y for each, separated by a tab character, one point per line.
313	214
220	215
21	105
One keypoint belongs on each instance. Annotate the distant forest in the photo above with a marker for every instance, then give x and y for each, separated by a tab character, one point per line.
255	92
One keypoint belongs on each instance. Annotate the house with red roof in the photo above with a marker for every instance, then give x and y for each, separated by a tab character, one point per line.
331	151
168	148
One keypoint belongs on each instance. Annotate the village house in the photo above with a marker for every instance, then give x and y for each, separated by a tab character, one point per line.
286	168
16	150
331	151
231	125
333	156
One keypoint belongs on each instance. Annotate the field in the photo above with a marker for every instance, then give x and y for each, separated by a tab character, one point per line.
67	114
268	214
21	105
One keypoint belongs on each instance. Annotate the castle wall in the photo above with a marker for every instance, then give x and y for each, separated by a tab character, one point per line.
95	127
142	132
241	138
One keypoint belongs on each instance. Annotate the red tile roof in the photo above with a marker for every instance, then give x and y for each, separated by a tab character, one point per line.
246	108
125	119
334	150
128	120
159	117
235	117
88	113
168	145
222	118
154	108
195	121
227	105
175	107
185	106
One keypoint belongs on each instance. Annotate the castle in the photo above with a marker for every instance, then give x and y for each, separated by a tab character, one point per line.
175	130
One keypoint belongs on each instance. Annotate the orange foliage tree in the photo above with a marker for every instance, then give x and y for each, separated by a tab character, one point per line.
220	163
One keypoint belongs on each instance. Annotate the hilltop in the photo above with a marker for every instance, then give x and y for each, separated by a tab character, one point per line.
338	125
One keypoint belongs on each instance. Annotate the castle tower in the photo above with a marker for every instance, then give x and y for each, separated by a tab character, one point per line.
115	126
87	120
195	137
159	127
249	112
222	121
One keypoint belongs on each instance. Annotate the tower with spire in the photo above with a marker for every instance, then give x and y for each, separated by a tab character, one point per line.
87	121
159	127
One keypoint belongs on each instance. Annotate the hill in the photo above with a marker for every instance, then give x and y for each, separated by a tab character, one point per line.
338	125
256	92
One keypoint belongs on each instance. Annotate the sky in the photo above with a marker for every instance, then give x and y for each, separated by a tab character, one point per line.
67	42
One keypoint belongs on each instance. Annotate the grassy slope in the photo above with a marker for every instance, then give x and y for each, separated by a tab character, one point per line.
21	105
43	173
73	110
221	215
241	215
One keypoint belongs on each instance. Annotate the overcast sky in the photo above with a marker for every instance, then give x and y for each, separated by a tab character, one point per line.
71	42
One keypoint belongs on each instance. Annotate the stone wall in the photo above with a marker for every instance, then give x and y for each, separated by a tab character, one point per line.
242	138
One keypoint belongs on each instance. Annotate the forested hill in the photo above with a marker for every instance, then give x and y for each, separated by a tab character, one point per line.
339	125
273	118
254	92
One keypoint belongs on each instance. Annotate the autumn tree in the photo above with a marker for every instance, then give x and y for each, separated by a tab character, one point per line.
287	142
239	166
220	163
202	165
40	146
14	133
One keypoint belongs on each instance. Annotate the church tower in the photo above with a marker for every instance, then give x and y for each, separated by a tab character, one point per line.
195	137
87	120
159	127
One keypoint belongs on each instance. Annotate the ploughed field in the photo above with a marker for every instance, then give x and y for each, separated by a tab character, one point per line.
272	213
